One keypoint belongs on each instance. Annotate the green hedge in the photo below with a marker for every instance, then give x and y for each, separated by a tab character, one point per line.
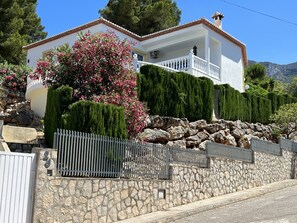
176	94
84	116
278	100
91	117
260	109
57	103
233	105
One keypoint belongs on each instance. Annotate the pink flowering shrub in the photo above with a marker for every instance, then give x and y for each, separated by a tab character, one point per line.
14	77
98	68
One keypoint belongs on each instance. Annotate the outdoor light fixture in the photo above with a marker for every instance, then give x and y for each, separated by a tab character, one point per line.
161	193
46	158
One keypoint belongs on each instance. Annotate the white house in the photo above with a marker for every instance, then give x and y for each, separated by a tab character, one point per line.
200	48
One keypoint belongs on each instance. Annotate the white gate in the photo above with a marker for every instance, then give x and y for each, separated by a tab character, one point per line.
17	178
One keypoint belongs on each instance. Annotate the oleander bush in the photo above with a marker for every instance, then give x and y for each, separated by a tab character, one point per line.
98	68
14	77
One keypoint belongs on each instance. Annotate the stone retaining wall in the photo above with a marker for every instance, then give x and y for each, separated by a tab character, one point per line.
59	199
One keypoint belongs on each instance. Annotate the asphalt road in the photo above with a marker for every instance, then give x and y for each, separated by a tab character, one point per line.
276	207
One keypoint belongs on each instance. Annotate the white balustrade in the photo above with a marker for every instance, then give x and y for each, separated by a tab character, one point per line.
180	64
33	82
214	70
142	63
200	64
190	63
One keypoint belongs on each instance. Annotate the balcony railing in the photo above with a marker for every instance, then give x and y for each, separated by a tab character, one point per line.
180	64
191	64
139	64
32	83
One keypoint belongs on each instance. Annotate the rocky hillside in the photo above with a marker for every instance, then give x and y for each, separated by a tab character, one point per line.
194	135
15	109
284	73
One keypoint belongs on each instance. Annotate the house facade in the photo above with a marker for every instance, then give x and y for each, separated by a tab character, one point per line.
200	48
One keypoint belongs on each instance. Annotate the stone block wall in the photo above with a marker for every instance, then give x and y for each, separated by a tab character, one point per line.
66	200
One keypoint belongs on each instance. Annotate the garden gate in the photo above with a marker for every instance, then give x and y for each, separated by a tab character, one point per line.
17	175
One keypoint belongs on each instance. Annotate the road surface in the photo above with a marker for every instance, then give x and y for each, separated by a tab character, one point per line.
276	207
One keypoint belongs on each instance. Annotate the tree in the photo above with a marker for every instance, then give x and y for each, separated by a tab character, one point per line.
286	118
292	87
256	71
258	80
142	16
98	68
19	25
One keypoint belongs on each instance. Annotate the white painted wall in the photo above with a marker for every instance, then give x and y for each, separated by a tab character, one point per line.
38	99
215	52
34	54
232	69
173	53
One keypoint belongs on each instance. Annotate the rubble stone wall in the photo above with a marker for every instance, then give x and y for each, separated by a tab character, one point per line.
60	199
176	132
15	109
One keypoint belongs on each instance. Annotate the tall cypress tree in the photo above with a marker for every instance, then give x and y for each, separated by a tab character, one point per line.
142	16
19	25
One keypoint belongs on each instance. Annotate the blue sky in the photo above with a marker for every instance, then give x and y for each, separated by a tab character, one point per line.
266	39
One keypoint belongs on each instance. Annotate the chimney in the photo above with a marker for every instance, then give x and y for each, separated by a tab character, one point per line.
217	17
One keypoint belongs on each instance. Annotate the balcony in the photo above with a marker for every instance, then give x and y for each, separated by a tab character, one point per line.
191	64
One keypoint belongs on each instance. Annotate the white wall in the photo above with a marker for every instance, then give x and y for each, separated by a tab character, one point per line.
38	99
215	52
34	54
232	69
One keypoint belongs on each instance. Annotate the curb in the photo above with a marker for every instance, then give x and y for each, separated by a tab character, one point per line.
186	210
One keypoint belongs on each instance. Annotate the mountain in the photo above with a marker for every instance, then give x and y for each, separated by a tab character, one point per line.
284	73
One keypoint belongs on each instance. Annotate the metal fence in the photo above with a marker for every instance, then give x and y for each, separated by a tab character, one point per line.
90	155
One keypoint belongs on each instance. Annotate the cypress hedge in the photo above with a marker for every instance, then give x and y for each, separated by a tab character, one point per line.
278	100
97	118
84	116
57	103
260	109
234	105
176	94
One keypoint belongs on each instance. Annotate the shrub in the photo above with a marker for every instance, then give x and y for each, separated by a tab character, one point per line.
91	117
98	68
57	103
234	105
14	77
286	118
256	71
176	94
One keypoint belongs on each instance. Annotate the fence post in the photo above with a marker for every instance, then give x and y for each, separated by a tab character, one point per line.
1	128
